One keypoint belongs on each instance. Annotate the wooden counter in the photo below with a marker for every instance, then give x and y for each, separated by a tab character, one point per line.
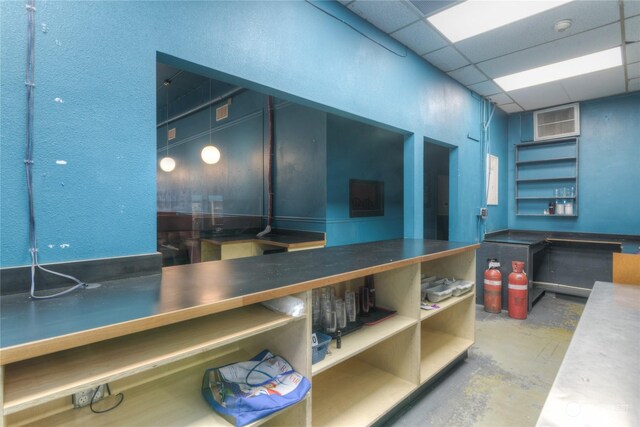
247	245
136	333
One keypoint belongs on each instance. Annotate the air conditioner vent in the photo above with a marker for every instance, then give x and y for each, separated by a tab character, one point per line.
556	122
222	112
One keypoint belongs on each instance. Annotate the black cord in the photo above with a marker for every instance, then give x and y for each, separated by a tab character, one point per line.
95	393
357	30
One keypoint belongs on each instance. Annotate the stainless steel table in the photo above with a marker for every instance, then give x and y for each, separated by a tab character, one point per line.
598	383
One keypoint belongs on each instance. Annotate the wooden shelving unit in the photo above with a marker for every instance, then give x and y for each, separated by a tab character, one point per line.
66	372
361	340
356	393
448	332
160	370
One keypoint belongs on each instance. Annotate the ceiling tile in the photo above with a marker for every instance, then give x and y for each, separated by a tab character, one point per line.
389	16
570	47
633	52
468	75
633	70
631	7
634	84
446	59
632	29
595	85
510	108
345	2
538	29
500	98
429	7
485	88
535	97
420	38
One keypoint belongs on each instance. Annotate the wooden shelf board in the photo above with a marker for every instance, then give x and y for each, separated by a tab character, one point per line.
172	400
64	373
360	340
355	393
437	350
425	314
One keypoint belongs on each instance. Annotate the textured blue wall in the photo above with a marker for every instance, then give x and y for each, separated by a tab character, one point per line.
498	218
609	194
99	57
360	151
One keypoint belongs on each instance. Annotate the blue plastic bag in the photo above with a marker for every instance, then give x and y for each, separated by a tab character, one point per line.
244	392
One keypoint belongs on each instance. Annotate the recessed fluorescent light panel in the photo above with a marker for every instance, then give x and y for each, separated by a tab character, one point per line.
561	70
474	17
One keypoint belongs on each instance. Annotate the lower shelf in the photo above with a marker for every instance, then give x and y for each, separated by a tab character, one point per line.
355	393
361	340
438	349
171	400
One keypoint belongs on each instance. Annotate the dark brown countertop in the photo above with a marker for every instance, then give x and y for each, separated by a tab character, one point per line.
628	244
30	328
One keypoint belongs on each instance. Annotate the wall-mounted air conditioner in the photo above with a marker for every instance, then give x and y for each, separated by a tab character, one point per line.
556	122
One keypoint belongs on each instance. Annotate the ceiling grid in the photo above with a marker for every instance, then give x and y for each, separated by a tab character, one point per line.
524	44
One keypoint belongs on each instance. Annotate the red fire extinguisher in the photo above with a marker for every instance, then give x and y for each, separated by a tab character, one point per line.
493	287
518	293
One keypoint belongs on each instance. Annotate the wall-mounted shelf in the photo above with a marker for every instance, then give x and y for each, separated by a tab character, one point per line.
541	168
551	178
544	198
556	159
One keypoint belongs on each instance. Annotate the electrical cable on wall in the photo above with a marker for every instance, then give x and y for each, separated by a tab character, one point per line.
30	86
267	229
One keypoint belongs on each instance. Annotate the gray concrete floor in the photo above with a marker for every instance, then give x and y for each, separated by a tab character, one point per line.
508	373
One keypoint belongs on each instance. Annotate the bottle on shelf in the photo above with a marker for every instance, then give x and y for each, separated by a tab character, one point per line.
560	207
568	208
552	207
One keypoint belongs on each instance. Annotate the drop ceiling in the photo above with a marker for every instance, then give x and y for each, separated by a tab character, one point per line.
532	42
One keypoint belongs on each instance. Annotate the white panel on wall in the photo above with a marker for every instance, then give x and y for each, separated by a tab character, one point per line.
492	179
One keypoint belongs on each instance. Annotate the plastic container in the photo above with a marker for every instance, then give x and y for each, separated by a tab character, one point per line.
428	283
439	293
320	351
461	287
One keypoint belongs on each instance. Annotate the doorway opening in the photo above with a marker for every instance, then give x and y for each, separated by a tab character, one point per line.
436	191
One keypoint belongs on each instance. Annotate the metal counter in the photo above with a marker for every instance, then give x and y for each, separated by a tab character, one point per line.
598	383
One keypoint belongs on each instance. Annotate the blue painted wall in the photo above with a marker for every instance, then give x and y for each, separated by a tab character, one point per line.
609	194
498	218
100	58
360	151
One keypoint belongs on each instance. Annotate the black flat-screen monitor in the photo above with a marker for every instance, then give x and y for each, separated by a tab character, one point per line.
366	198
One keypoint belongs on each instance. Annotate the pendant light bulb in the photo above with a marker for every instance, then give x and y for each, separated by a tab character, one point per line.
167	164
210	155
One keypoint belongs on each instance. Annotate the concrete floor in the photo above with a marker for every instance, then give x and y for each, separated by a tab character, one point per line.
508	374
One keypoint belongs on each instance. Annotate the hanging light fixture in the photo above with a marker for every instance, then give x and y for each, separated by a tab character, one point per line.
210	154
167	163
